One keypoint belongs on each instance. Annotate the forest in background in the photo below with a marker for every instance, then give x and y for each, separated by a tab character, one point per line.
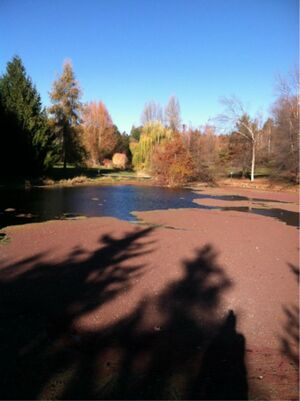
34	139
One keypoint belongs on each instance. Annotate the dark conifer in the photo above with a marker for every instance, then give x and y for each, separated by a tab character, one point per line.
26	143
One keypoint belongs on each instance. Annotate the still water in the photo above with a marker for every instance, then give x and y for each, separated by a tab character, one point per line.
40	204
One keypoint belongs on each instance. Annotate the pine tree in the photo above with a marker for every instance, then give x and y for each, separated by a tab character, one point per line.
65	112
26	138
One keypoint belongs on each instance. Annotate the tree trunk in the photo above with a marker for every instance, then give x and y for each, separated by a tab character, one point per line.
253	161
64	144
64	154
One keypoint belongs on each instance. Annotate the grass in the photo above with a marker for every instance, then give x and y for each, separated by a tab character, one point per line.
260	172
73	175
4	239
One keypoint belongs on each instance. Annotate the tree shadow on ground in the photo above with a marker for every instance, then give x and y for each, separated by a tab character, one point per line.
290	339
39	304
179	344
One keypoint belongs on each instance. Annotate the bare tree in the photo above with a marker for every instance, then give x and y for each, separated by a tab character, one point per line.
237	119
265	141
152	113
172	114
287	87
286	117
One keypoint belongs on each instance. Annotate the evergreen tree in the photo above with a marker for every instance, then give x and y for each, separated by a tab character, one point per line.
65	113
26	143
135	132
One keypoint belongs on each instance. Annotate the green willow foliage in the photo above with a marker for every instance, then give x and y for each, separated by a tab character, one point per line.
152	134
26	140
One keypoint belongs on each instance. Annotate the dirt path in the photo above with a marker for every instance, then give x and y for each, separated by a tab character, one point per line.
197	304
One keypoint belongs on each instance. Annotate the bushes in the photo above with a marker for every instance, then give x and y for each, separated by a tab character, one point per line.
120	160
152	134
171	163
164	154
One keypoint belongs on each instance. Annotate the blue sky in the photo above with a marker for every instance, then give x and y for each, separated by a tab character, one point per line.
127	52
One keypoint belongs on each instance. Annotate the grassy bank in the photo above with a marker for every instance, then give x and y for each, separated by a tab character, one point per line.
74	176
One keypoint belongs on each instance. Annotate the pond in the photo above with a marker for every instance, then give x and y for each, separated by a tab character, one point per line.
41	204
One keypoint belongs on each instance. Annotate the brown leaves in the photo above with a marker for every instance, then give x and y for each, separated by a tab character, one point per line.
171	162
98	132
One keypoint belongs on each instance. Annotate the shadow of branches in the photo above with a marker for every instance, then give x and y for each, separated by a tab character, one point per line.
179	344
39	305
290	339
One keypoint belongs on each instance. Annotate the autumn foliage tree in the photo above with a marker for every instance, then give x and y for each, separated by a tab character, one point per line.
172	163
265	143
203	147
100	136
65	115
152	134
239	149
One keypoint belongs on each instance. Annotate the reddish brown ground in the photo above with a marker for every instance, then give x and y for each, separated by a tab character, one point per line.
258	199
259	184
101	308
292	197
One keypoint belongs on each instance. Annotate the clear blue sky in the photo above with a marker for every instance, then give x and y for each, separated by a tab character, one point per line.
126	52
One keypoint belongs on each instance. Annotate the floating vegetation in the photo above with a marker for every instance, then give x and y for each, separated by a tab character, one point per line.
4	239
72	216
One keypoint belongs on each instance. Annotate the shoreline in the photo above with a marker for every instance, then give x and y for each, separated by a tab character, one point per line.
250	198
260	185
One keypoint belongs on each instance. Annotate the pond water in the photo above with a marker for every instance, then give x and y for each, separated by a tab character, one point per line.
41	204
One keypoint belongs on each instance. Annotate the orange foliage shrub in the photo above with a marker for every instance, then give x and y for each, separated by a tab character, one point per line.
107	163
171	163
120	160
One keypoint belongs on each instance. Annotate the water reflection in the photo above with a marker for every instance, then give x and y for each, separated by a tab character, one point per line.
40	204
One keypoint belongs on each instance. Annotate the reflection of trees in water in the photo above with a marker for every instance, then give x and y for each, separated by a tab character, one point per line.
192	353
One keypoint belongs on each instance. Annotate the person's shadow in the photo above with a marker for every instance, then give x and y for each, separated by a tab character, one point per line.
224	374
191	351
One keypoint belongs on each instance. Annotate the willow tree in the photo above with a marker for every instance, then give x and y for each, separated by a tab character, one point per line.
152	134
65	112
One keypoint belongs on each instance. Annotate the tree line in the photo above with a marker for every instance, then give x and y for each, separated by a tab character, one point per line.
69	132
35	138
234	143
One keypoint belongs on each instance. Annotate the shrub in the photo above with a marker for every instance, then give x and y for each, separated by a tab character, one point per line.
120	160
171	163
107	163
152	134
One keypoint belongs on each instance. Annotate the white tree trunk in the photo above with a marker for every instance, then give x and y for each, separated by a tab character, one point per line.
253	161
